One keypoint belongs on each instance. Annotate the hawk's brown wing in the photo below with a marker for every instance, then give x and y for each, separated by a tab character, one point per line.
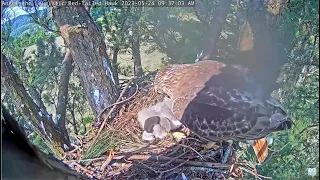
218	101
218	113
178	80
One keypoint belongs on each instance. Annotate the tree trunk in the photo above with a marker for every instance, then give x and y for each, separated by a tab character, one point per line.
138	72
71	108
88	50
66	70
216	26
44	125
270	57
34	93
115	65
74	122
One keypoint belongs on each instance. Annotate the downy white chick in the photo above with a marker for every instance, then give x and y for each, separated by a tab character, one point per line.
157	120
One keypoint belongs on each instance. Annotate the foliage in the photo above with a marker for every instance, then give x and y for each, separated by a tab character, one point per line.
87	119
37	141
300	94
175	32
38	71
125	70
108	140
115	23
77	104
28	127
42	68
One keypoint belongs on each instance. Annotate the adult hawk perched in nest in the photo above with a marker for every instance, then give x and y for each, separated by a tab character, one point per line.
218	102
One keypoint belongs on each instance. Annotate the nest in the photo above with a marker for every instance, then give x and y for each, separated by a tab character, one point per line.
120	153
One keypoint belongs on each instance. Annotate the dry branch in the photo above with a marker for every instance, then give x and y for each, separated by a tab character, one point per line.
108	160
164	158
111	110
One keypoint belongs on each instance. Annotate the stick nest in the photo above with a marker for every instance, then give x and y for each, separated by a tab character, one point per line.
120	153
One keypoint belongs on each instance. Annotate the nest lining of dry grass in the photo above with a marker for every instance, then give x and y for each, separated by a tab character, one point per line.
120	153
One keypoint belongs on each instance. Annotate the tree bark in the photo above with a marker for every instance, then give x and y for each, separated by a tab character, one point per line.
115	65
74	121
88	50
66	70
71	107
34	93
216	26
44	125
269	55
138	72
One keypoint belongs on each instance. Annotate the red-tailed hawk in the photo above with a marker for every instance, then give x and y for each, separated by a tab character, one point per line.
216	101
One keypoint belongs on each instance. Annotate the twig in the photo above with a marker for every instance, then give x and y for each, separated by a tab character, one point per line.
226	154
314	126
125	100
164	158
88	132
111	110
78	139
108	160
186	146
82	168
162	172
255	174
72	151
121	164
174	150
274	151
169	162
85	160
118	100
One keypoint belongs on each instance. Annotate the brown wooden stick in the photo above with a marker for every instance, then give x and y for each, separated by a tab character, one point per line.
162	172
255	174
85	160
118	100
169	162
111	110
82	168
107	161
87	132
164	158
70	152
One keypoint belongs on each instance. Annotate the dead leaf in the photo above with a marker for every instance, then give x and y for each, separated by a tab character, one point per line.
178	135
210	145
